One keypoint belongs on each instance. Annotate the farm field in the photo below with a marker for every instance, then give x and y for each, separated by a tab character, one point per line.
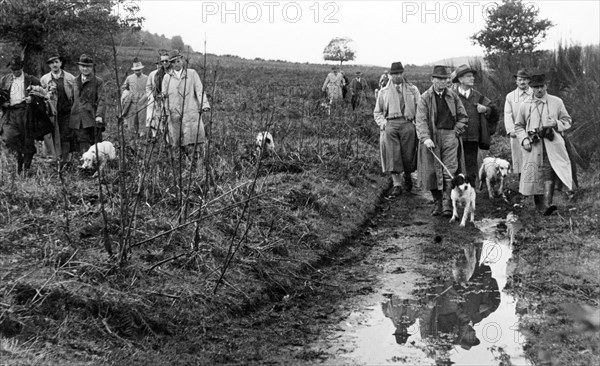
256	260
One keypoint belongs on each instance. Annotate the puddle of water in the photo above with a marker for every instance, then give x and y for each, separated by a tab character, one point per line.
467	319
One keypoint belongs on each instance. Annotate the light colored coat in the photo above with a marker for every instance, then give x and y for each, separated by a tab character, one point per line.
430	171
52	140
185	92
513	102
333	85
529	119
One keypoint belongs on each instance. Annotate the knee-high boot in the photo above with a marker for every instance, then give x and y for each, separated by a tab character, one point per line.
548	196
538	199
437	202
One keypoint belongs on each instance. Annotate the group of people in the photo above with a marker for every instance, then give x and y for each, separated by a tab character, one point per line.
170	100
441	132
337	85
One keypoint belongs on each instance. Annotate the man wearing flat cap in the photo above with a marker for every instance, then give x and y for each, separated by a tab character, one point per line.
59	86
483	118
15	126
441	120
540	125
134	110
395	111
185	102
513	102
358	88
87	113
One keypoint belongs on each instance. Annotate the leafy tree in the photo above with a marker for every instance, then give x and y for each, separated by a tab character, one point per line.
512	28
177	43
68	27
339	49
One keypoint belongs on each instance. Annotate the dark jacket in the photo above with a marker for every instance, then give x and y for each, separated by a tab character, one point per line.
88	102
5	85
490	118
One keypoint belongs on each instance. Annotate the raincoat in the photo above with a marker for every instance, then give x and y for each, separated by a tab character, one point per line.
512	104
185	99
534	114
333	85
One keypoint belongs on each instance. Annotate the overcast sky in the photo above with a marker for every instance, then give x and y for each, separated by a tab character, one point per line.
414	32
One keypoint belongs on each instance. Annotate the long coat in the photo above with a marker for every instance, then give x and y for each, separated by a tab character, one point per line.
430	171
53	140
136	104
513	102
333	85
187	92
490	118
88	102
528	119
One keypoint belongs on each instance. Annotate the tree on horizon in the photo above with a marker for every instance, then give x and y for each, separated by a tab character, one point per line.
339	49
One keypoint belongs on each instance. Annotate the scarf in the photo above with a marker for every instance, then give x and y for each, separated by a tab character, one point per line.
397	107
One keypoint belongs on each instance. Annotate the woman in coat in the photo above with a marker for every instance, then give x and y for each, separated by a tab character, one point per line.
333	85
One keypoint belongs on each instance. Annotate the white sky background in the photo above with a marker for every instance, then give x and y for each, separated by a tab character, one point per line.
414	32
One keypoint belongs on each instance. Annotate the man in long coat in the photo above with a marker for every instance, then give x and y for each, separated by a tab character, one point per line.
135	118
539	126
333	85
185	100
358	89
441	120
154	111
483	117
394	113
513	102
15	126
87	113
59	85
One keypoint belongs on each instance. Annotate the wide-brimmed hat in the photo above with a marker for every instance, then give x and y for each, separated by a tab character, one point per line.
173	55
85	60
137	65
523	73
440	71
15	63
52	58
537	79
397	68
461	70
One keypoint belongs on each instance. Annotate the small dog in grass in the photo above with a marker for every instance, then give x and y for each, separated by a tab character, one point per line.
106	152
264	143
463	194
493	171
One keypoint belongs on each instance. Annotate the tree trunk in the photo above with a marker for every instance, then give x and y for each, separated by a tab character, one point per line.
33	62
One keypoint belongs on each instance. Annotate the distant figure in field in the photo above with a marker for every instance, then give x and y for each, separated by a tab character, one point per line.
514	99
87	114
540	124
154	111
383	81
333	85
59	86
185	101
395	111
135	112
358	89
344	85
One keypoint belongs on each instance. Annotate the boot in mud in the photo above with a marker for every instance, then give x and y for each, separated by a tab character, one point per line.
437	202
548	196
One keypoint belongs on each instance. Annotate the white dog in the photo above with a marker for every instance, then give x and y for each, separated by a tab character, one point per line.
264	142
462	193
106	152
493	171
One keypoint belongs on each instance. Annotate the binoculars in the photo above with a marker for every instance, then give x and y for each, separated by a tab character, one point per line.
541	133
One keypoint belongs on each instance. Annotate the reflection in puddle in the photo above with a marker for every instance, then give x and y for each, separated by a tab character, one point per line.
466	319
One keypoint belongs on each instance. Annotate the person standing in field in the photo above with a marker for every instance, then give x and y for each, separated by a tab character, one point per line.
483	117
185	100
135	117
333	85
394	113
59	85
441	120
154	111
539	126
358	88
15	124
87	113
513	102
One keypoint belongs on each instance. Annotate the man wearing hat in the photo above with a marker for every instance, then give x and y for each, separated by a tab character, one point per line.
14	126
333	85
358	87
540	124
395	111
483	118
185	102
441	120
59	86
154	111
87	113
513	102
135	113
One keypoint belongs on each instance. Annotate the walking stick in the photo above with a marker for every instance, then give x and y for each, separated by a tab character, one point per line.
440	161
